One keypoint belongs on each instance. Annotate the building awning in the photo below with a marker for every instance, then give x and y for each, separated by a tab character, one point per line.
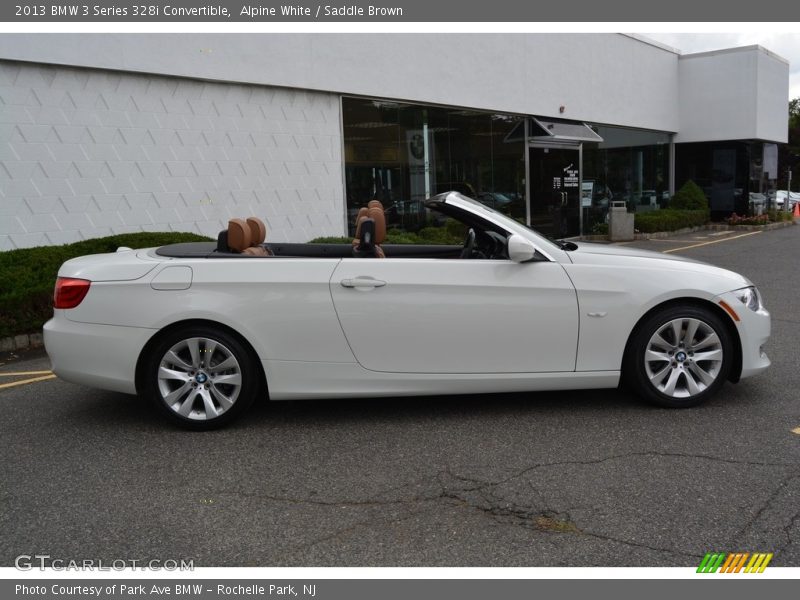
555	130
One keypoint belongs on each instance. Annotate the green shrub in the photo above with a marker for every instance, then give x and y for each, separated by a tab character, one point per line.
669	220
776	216
689	197
331	239
427	235
27	275
600	229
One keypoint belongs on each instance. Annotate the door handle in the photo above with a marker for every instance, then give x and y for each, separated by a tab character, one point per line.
363	282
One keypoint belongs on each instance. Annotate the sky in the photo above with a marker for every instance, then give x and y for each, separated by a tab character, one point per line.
786	45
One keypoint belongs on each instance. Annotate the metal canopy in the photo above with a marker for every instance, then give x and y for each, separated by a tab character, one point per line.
554	130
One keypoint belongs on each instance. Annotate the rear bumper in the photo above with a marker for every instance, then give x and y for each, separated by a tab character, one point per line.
754	329
100	356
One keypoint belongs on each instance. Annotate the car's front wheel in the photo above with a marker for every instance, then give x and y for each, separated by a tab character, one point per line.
201	378
679	356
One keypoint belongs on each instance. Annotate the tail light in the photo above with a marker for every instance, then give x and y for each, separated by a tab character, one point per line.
70	292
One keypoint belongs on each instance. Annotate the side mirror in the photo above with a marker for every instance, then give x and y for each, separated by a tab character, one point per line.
520	250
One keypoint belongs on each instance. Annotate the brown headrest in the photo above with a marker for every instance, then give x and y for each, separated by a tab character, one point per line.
238	235
258	231
380	222
375	204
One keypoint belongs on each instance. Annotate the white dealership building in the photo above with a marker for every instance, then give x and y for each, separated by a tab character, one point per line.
113	133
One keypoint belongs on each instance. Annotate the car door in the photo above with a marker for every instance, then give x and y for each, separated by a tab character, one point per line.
457	316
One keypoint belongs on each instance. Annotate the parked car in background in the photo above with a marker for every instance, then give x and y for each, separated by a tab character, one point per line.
779	198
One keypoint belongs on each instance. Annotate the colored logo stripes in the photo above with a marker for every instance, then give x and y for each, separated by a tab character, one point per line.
734	562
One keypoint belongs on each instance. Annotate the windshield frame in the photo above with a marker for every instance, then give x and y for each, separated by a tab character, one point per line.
455	199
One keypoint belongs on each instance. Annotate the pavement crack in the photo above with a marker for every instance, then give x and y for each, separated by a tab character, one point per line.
642	454
766	506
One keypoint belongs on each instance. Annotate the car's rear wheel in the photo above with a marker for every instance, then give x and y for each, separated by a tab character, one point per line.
680	356
201	378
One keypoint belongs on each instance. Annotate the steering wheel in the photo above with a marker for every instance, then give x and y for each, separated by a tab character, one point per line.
469	244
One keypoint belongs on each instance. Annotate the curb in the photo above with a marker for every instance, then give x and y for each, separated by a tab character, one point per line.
656	235
21	342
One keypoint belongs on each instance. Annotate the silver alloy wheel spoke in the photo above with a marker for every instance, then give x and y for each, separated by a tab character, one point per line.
173	397
165	373
194	351
226	364
178	361
706	342
672	361
234	379
658	377
199	378
223	400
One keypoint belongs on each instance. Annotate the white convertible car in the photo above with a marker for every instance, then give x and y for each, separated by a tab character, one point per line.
203	329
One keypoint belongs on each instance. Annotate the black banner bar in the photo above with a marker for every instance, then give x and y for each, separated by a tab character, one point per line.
149	11
373	589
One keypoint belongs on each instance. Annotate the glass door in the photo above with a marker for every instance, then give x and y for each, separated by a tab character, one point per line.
555	192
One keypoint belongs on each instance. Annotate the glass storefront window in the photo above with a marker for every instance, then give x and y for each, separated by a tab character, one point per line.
631	165
729	172
402	154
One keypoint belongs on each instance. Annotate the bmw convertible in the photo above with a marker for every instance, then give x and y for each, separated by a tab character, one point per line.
203	329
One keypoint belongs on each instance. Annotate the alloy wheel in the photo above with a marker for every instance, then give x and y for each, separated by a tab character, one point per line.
683	357
199	378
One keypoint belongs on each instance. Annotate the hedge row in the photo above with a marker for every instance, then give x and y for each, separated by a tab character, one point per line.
27	275
428	235
669	220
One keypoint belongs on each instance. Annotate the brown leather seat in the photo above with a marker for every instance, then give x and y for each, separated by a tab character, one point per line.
239	235
258	233
370	218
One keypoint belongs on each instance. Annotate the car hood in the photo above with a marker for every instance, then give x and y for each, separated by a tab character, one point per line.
611	255
615	250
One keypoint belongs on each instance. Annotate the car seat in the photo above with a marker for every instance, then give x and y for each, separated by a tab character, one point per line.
258	233
370	231
238	236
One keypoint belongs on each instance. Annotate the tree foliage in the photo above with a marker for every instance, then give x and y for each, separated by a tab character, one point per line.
789	154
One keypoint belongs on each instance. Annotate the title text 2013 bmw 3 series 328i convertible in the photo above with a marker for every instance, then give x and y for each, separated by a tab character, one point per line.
203	329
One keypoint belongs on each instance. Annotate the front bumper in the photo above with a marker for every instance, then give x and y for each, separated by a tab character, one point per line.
100	356
754	329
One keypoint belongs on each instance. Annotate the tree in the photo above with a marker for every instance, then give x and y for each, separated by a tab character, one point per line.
789	154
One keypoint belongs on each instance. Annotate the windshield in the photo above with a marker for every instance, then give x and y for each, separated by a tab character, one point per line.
499	218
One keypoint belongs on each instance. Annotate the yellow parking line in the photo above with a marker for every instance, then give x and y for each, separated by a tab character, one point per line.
18	373
26	381
711	242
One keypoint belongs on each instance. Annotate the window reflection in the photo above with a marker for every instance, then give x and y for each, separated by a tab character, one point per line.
629	165
402	154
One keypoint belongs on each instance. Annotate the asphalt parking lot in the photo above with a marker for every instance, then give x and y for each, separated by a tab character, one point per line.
592	478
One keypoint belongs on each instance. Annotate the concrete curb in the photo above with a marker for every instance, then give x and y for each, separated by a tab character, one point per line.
656	235
21	342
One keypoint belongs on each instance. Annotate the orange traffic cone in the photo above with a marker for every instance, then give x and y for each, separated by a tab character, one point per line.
796	213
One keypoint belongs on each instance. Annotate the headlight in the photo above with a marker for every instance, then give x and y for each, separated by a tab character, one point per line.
750	297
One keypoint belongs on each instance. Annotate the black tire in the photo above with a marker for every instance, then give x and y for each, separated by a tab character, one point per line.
688	379
198	390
